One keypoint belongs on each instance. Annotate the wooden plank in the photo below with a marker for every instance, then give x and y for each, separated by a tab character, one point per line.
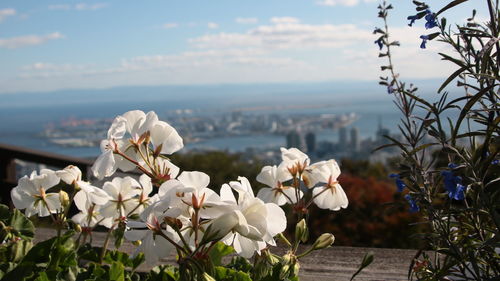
37	156
335	263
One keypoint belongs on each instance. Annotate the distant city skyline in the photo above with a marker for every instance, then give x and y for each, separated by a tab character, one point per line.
54	45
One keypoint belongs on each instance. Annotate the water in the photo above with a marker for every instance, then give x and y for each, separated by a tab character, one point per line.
22	124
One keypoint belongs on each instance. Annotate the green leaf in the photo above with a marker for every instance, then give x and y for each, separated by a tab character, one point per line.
118	234
367	260
218	251
42	277
451	77
4	212
227	274
451	5
117	272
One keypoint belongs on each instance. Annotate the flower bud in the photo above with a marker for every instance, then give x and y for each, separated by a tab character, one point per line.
271	258
284	272
78	228
64	198
301	231
137	243
207	277
295	269
325	240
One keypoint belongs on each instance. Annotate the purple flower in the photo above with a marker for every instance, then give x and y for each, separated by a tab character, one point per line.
380	43
430	18
424	41
413	205
452	166
459	193
495	162
412	19
399	182
453	184
390	89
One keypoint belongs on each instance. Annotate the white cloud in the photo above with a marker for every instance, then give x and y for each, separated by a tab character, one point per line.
287	34
348	3
78	6
28	40
246	20
4	13
212	25
170	25
283	20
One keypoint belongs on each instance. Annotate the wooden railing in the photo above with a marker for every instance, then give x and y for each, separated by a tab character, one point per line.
9	153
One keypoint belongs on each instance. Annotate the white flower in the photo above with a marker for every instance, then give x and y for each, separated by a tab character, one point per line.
88	194
131	128
30	194
164	135
121	192
277	193
149	232
331	195
251	223
294	159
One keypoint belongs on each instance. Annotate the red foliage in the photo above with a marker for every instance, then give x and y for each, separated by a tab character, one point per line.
370	219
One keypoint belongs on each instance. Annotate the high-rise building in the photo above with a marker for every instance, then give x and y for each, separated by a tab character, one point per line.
343	137
355	141
293	140
311	142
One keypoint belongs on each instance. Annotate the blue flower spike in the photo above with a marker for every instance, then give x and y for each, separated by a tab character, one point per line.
424	41
399	182
430	20
412	19
390	89
380	43
453	185
413	205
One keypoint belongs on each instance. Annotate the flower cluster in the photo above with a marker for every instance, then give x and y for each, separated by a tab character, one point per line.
430	22
166	209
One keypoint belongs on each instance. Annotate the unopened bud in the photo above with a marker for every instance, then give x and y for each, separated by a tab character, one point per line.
137	243
78	228
284	272
207	277
301	231
64	198
296	268
325	240
271	258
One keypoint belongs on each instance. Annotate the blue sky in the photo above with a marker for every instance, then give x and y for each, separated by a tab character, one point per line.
53	45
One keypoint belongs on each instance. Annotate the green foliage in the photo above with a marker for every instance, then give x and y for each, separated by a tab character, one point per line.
218	251
456	190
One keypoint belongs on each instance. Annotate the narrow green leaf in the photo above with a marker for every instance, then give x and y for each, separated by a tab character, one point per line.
450	78
367	260
451	5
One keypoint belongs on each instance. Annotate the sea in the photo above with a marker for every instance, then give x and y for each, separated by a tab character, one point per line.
23	117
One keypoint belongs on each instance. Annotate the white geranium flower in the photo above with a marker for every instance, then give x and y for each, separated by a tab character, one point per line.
88	194
30	194
121	192
294	158
276	192
132	127
164	135
89	218
149	232
331	195
251	223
